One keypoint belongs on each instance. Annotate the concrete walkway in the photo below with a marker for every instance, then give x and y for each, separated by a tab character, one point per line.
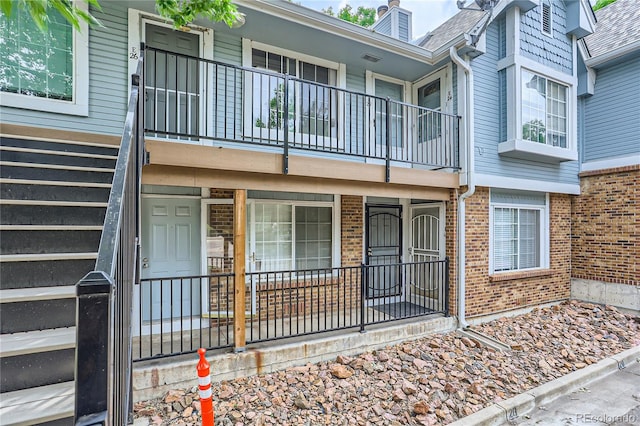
612	400
605	393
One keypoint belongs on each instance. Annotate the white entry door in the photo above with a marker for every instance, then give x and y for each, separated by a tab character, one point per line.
170	250
426	245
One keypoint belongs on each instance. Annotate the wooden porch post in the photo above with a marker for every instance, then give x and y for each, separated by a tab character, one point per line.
239	239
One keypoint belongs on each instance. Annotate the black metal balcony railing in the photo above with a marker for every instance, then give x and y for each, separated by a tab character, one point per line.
178	315
192	98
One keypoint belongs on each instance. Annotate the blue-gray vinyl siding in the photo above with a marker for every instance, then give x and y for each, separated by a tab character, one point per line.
501	22
555	52
502	102
612	114
384	27
488	126
108	81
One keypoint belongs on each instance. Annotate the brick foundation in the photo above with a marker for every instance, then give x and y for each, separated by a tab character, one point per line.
486	294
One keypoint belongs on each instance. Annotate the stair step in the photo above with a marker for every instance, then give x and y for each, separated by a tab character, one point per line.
37	293
37	257
56	214
44	273
48	242
53	192
37	405
39	156
54	203
37	341
50	228
58	145
12	170
7	181
18	317
57	152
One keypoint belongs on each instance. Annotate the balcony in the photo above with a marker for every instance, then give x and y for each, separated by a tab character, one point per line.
194	100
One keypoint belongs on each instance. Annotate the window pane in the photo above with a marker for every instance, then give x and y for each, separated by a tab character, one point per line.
529	239
33	63
316	237
505	239
533	107
272	237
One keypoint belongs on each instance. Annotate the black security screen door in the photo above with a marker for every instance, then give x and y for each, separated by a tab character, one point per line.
384	250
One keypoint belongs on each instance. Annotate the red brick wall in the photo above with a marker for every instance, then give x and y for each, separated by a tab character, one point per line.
487	294
451	230
351	229
606	226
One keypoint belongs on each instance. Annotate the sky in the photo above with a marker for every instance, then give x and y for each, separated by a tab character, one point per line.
427	14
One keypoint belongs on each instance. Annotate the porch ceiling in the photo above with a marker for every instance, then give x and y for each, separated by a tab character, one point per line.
297	28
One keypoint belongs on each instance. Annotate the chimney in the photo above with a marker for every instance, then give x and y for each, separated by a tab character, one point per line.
382	10
393	3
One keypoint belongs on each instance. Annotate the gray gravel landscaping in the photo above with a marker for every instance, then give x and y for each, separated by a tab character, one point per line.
434	380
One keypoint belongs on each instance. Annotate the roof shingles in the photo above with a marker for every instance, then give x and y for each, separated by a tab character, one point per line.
617	27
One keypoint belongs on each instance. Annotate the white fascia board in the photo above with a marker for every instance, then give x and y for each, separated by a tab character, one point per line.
311	18
503	182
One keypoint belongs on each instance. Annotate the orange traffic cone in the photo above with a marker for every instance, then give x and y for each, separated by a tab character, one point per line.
204	389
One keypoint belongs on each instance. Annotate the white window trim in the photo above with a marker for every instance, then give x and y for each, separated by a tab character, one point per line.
79	105
514	64
335	225
544	238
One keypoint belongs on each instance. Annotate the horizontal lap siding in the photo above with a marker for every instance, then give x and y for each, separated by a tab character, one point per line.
612	114
108	81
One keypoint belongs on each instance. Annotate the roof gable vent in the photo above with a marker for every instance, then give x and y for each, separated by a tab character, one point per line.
546	17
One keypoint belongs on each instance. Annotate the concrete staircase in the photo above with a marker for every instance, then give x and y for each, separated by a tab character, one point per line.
53	197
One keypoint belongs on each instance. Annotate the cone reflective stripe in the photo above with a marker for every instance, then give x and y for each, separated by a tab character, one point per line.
204	389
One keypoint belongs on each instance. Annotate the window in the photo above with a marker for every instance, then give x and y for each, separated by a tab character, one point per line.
38	69
312	108
429	121
283	236
544	110
518	230
546	17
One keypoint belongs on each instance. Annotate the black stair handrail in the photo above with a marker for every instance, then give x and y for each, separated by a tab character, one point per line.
103	370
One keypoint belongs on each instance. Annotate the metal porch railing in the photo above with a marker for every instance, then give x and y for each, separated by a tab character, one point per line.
196	99
105	296
180	314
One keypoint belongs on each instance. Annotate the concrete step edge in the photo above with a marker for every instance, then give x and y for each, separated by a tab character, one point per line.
62	141
37	405
4	181
30	294
37	341
54	203
50	227
38	257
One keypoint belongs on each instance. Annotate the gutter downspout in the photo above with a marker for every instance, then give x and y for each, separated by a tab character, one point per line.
471	187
